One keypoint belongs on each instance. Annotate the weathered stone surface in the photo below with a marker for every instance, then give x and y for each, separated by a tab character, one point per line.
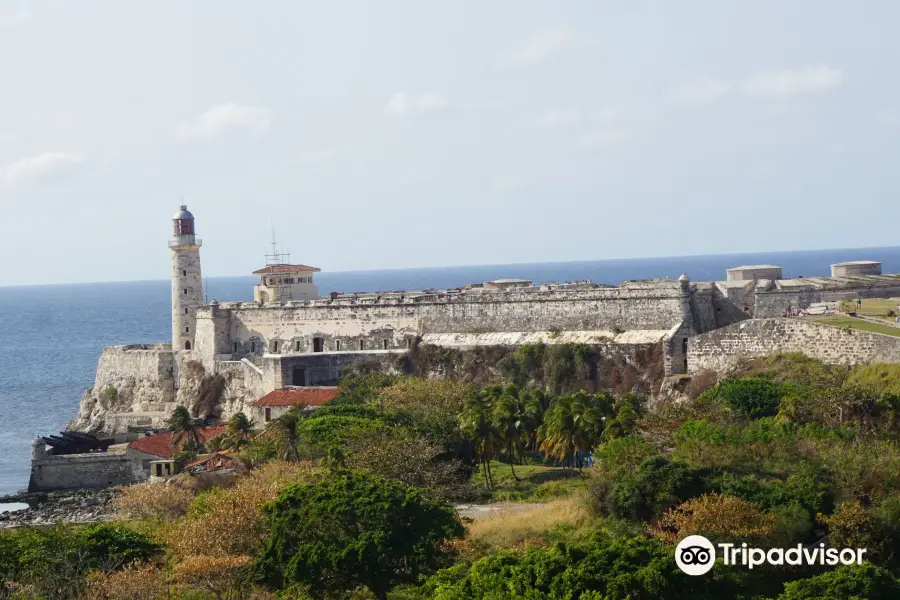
718	350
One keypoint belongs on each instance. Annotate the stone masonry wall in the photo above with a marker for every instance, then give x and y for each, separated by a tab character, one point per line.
718	350
773	303
136	378
74	471
392	322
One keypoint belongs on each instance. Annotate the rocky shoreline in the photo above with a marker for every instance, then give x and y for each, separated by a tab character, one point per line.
69	506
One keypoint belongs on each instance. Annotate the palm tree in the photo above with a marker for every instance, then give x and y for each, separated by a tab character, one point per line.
182	425
535	404
573	424
238	431
476	422
285	436
508	418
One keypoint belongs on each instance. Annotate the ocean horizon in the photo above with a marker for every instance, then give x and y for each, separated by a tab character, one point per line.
53	334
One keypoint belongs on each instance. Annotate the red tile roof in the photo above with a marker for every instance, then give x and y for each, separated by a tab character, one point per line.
285	269
161	443
306	396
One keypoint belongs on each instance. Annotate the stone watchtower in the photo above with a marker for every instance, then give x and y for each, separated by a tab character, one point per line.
187	287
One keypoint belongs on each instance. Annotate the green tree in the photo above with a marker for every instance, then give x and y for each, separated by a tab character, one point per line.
859	582
345	530
285	436
238	431
510	421
476	422
574	424
183	426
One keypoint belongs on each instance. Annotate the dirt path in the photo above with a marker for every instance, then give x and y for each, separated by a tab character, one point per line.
480	511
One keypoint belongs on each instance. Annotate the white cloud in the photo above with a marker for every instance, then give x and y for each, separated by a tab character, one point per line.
225	118
792	83
775	84
405	104
42	167
541	46
321	155
507	183
7	137
557	118
605	137
20	17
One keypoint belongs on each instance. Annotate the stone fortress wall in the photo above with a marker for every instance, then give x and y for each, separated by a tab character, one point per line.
719	350
395	321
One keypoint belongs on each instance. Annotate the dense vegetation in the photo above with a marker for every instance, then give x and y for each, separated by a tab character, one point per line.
353	500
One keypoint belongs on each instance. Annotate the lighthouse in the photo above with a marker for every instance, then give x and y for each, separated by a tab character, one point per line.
187	288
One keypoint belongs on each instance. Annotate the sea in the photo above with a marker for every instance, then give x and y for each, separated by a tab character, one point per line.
52	335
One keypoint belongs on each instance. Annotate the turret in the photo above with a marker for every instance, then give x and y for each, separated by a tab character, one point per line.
187	288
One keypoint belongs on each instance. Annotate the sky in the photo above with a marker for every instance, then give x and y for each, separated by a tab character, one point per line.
394	134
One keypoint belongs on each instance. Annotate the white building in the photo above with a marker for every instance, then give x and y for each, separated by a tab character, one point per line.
280	283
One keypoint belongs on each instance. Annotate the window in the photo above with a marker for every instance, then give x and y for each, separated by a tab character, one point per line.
268	414
337	345
297	347
362	344
187	329
235	348
185	311
252	346
187	345
318	344
408	343
184	272
385	344
275	347
185	291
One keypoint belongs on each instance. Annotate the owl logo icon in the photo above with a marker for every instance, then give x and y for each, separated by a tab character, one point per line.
695	555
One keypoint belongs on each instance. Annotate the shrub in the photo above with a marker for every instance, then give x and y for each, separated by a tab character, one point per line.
880	379
656	485
237	510
854	526
616	569
339	532
402	456
134	582
751	396
54	561
865	581
720	518
153	501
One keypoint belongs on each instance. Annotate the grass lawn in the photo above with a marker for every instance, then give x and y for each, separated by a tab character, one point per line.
843	321
876	307
538	483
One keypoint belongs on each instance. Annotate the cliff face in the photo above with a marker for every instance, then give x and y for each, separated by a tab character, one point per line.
141	385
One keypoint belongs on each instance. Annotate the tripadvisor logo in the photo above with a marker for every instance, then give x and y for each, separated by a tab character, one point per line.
696	555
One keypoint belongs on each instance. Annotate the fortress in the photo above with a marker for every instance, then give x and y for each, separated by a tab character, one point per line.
289	336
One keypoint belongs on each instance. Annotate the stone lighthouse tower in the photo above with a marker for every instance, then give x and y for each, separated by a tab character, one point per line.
187	287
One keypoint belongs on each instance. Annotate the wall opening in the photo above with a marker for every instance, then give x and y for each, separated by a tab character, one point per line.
275	347
362	345
298	377
185	311
235	347
384	344
184	272
684	354
297	346
187	345
408	343
337	345
318	344
252	346
185	291
268	414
